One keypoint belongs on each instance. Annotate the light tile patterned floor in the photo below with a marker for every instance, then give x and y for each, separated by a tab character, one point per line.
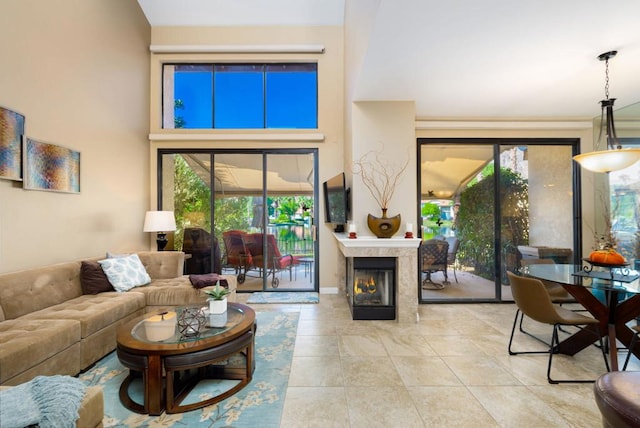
451	369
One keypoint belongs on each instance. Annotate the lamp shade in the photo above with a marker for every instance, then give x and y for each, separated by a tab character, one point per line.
608	160
159	221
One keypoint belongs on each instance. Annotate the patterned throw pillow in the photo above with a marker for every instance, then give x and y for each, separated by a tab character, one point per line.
125	273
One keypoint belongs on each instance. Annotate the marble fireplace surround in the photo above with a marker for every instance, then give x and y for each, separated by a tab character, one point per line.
406	254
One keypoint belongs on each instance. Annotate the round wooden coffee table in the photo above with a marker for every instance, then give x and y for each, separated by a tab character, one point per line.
180	356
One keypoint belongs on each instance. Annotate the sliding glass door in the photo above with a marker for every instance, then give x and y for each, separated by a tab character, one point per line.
494	202
248	213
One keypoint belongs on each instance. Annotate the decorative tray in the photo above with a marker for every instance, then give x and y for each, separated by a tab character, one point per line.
618	272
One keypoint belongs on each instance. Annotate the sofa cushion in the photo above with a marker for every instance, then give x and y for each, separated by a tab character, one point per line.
163	264
180	292
30	290
94	312
26	343
125	273
93	279
171	292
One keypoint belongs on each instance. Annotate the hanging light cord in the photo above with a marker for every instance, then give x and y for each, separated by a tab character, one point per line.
606	78
606	115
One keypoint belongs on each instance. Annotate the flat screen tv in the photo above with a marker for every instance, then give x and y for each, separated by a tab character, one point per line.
336	202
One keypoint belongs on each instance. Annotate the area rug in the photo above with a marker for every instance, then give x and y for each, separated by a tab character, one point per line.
283	297
259	404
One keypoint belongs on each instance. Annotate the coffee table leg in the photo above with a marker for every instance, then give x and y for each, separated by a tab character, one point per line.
153	387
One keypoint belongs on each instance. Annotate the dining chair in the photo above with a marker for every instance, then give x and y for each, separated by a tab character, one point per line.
631	345
556	291
559	295
533	300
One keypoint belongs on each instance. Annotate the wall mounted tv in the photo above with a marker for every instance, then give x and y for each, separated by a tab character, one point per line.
336	202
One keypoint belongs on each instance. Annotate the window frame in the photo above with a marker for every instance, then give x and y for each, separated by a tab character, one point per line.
311	65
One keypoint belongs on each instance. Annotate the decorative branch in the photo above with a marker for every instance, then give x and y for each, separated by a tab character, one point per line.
379	177
607	239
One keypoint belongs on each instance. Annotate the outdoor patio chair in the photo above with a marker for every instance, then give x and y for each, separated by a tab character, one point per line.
198	243
237	254
274	262
532	300
452	253
433	258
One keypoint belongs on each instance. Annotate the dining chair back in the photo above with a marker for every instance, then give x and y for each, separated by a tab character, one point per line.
533	300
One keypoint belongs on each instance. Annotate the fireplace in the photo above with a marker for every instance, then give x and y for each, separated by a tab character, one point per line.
371	287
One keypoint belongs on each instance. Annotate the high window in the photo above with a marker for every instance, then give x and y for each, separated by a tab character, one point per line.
240	96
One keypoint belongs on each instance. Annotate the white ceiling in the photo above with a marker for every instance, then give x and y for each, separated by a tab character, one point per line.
462	58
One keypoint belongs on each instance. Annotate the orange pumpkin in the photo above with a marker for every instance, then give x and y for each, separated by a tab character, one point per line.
608	257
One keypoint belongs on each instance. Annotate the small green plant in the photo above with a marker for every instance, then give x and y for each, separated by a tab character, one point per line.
217	293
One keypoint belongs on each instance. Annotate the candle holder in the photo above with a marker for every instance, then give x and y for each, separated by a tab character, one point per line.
408	235
352	235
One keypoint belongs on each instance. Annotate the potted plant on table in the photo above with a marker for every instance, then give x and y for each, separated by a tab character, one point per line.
217	299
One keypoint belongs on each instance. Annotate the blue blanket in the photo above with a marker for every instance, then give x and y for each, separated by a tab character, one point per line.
48	401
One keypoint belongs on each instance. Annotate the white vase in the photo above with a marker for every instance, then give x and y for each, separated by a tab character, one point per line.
217	306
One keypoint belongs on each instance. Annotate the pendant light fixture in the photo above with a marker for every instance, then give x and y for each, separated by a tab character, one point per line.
614	158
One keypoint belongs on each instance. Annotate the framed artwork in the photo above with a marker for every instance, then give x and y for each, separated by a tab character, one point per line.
11	132
51	167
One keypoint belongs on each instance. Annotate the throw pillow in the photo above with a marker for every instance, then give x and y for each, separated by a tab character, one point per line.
207	280
111	255
92	278
125	273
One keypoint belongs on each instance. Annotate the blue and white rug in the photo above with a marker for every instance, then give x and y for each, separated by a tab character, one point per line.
259	404
283	297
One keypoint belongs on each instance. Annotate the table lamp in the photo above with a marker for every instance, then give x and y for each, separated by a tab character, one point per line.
160	222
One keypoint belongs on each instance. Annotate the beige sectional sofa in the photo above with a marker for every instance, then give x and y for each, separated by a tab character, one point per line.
48	326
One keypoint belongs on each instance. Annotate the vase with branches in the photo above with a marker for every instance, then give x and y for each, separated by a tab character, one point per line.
381	178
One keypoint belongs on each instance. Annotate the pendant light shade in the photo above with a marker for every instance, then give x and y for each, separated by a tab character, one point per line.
608	160
615	157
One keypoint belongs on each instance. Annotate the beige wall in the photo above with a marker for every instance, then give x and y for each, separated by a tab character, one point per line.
79	72
330	107
387	127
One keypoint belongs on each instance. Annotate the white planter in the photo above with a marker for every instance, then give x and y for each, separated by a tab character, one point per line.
218	320
217	306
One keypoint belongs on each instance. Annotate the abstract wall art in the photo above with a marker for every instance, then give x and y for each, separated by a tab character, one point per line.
51	167
11	132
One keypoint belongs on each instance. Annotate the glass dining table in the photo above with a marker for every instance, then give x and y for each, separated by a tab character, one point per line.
611	295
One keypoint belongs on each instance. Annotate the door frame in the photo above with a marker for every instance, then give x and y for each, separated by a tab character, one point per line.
253	151
574	143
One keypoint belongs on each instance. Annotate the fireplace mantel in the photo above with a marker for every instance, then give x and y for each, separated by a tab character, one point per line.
405	250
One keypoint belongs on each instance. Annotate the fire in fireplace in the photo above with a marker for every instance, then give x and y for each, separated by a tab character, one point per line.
371	287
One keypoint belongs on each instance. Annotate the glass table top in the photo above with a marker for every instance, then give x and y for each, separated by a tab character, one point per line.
576	275
187	323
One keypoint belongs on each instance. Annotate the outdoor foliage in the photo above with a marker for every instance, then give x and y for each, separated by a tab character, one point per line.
191	195
430	210
475	226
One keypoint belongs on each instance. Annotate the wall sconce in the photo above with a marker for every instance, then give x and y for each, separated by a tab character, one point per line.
160	222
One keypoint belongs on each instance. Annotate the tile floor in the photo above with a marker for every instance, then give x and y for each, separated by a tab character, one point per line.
451	369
